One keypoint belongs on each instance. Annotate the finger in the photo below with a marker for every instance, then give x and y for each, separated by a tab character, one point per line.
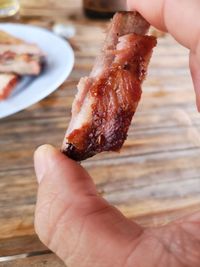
151	10
179	17
195	72
72	220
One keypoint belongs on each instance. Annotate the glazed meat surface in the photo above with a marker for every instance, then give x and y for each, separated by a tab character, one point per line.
23	64
107	100
8	83
18	56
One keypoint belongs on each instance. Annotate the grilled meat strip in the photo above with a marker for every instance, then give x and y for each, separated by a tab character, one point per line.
23	64
8	83
18	56
108	98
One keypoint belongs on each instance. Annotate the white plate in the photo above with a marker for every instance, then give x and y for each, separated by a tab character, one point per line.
60	61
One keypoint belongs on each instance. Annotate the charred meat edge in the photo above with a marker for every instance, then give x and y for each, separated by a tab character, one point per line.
82	139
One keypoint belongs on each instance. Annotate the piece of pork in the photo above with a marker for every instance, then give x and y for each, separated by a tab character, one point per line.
24	48
13	44
8	83
18	56
108	98
23	64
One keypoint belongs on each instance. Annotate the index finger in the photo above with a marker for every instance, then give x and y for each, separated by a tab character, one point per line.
179	17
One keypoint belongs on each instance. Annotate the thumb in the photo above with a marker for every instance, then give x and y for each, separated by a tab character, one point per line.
73	220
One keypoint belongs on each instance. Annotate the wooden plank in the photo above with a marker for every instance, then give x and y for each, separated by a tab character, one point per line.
50	4
21	245
37	261
147	135
44	7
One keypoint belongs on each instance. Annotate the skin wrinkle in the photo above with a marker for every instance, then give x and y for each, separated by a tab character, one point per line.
39	210
149	237
181	225
87	218
193	238
175	245
169	245
76	248
130	253
168	248
68	222
55	196
54	231
38	228
160	258
167	259
51	228
68	258
160	241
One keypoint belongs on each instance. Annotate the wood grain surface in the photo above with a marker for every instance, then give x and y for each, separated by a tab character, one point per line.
154	179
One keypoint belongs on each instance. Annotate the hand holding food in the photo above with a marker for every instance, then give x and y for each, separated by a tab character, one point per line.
86	230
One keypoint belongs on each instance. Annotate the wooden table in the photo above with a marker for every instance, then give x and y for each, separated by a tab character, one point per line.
154	179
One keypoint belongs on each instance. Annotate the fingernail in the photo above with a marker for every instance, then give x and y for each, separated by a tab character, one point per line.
41	161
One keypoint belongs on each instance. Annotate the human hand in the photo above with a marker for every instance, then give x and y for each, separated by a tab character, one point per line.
181	19
85	231
81	227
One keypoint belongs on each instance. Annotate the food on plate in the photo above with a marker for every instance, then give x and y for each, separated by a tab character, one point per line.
107	100
23	64
7	84
18	56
